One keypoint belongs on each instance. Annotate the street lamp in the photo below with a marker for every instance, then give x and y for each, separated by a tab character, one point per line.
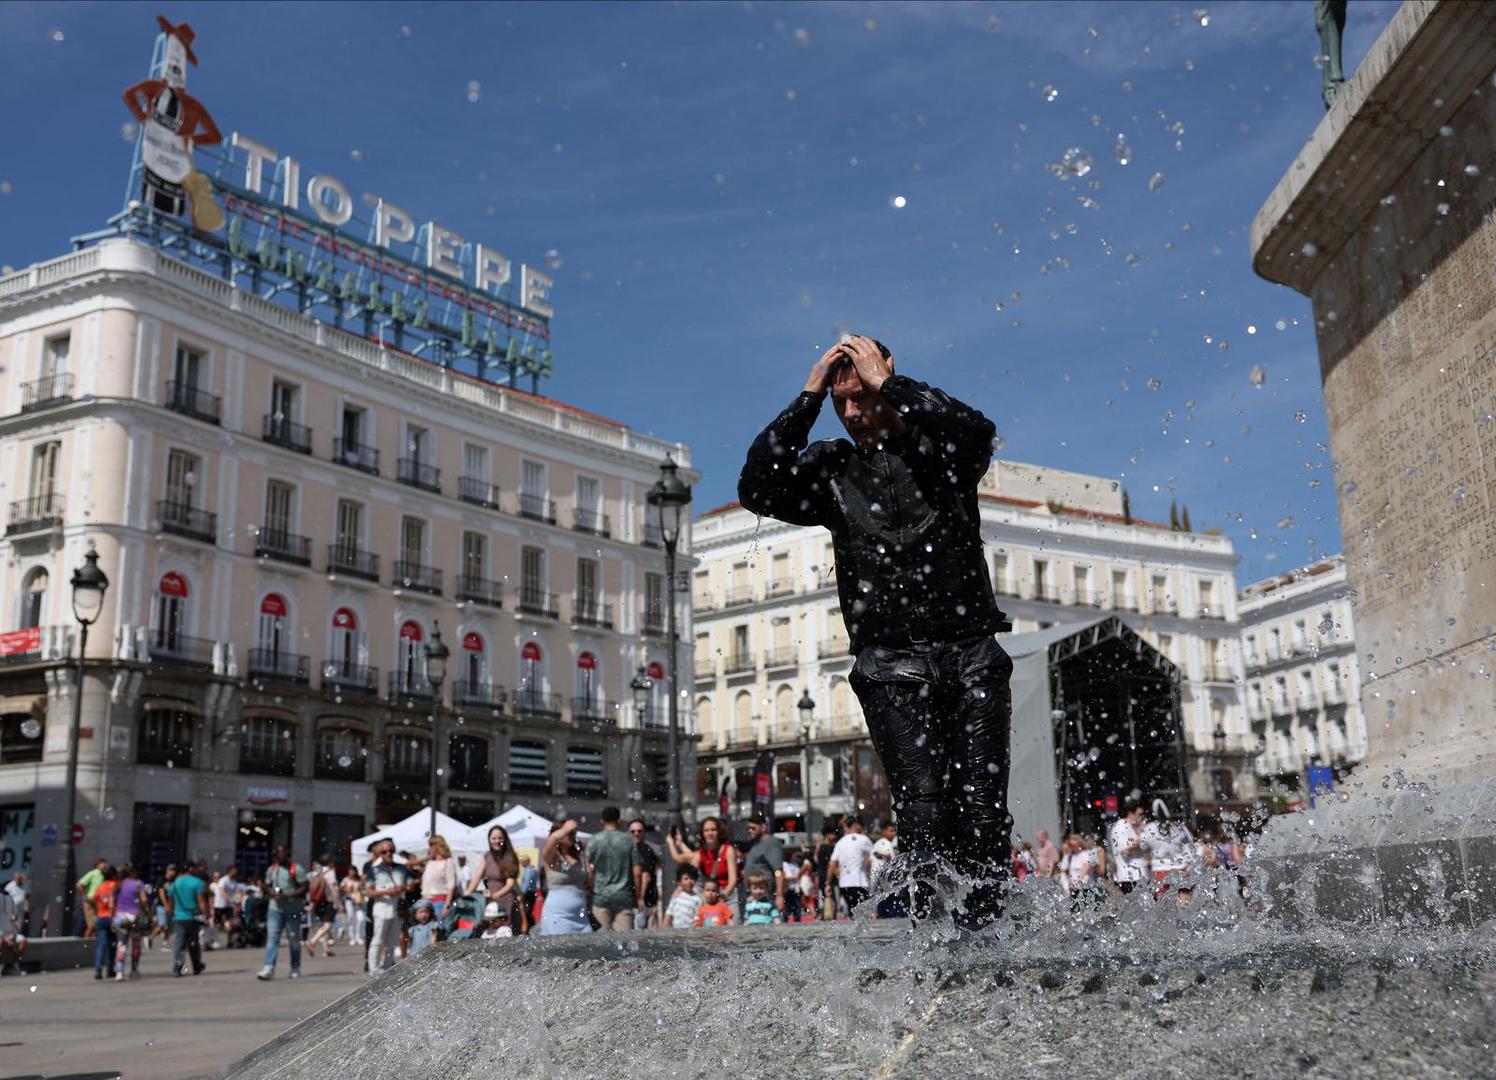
436	674
89	586
807	707
670	496
641	684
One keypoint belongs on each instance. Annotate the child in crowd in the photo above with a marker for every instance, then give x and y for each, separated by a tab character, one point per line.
714	912
760	910
423	929
684	903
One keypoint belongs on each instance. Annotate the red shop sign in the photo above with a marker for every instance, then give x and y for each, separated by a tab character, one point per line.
531	651
655	670
410	630
472	642
173	584
273	604
344	619
587	662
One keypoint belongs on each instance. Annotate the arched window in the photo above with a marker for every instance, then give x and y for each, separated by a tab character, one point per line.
407	757
342	752
165	737
274	644
786	724
843	714
742	717
474	659
659	691
470	771
347	644
410	658
269	746
171	613
588	687
706	721
34	598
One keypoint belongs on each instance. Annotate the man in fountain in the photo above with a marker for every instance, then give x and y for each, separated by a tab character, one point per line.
900	501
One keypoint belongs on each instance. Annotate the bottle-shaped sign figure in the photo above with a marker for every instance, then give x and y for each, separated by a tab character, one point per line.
172	121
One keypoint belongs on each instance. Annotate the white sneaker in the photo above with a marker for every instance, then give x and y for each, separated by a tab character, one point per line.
119	976
295	973
267	973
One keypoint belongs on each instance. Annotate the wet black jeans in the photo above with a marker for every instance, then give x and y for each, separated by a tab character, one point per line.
939	715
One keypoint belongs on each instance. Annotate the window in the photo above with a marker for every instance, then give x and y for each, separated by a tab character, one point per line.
1215	661
475	462
779	575
34	598
348	645
587	603
1251	645
407	757
654	602
353	427
1161	599
532	479
1300	636
171	612
1275	639
412	540
1166	645
181	479
16	747
589	504
418	445
1120	597
280	508
342	753
656	779
268	746
165	738
1082	584
1207	598
585	773
272	637
740	652
475	666
350	527
1041	579
701	589
1280	694
55	355
706	784
1336	689
787	782
44	459
474	555
532	571
284	399
410	656
188	369
469	754
529	767
1306	688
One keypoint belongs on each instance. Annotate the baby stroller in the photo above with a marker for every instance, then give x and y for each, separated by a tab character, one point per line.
253	923
463	918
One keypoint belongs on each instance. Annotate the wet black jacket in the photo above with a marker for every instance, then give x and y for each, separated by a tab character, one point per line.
902	515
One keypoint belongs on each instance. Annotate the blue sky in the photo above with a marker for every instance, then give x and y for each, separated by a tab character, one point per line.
721	182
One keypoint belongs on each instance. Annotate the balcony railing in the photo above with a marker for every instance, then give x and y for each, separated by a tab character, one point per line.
653	537
410	684
34	514
188	400
585	611
347	559
738	595
489	695
417	473
832	648
590	521
536	703
784	656
705	668
537	507
46	392
736	665
478	492
184	520
594	710
282	432
179	650
350	678
477	590
276	666
655	624
476	779
356	455
538	602
417	576
274	763
288	547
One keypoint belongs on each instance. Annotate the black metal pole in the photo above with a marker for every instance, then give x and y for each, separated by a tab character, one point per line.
436	722
673	736
70	892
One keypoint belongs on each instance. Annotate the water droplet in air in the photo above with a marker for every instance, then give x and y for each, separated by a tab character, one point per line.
57	35
1156	181
1300	416
1075	162
1310	250
1443	209
553	259
1155	384
1123	152
1258	375
474	90
128	130
898	202
1202	16
1050	93
356	155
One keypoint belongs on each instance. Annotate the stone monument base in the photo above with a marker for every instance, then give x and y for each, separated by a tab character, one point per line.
1142	991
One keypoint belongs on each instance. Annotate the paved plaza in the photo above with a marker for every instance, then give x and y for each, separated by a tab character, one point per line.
65	1024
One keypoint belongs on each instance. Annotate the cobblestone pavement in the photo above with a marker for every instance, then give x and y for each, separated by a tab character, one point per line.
65	1024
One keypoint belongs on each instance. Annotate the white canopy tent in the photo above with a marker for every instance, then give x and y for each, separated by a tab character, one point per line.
412	833
525	827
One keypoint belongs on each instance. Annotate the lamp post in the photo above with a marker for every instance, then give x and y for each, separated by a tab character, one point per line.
436	674
670	496
641	684
807	707
1219	735
89	586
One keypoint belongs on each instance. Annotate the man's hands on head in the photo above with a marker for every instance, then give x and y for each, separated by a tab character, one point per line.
865	357
819	380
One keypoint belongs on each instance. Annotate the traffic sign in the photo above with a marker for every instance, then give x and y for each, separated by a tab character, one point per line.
77	834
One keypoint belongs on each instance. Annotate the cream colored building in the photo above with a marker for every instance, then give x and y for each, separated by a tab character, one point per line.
286	512
1060	550
1303	683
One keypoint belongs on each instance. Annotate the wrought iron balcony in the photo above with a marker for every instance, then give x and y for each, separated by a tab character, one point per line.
282	432
179	650
477	590
46	392
536	703
586	611
538	602
488	695
418	576
418	474
188	400
478	492
356	455
706	668
408	685
537	507
652	535
655	624
590	521
350	678
35	514
273	665
736	665
594	710
348	559
184	520
833	648
739	595
288	547
784	656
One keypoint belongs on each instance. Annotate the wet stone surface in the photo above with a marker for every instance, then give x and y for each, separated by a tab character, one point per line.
1113	996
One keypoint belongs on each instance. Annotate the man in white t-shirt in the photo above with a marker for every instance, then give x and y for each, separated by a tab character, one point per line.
384	882
1129	853
852	864
1169	847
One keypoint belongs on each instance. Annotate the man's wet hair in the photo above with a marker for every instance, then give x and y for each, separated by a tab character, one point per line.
845	363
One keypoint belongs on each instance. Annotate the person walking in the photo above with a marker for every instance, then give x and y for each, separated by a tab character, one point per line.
384	885
900	501
497	878
322	897
163	925
286	885
566	874
187	907
1129	855
852	864
713	857
132	912
12	935
351	889
765	856
19	891
611	865
85	886
103	902
1046	855
646	877
438	876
